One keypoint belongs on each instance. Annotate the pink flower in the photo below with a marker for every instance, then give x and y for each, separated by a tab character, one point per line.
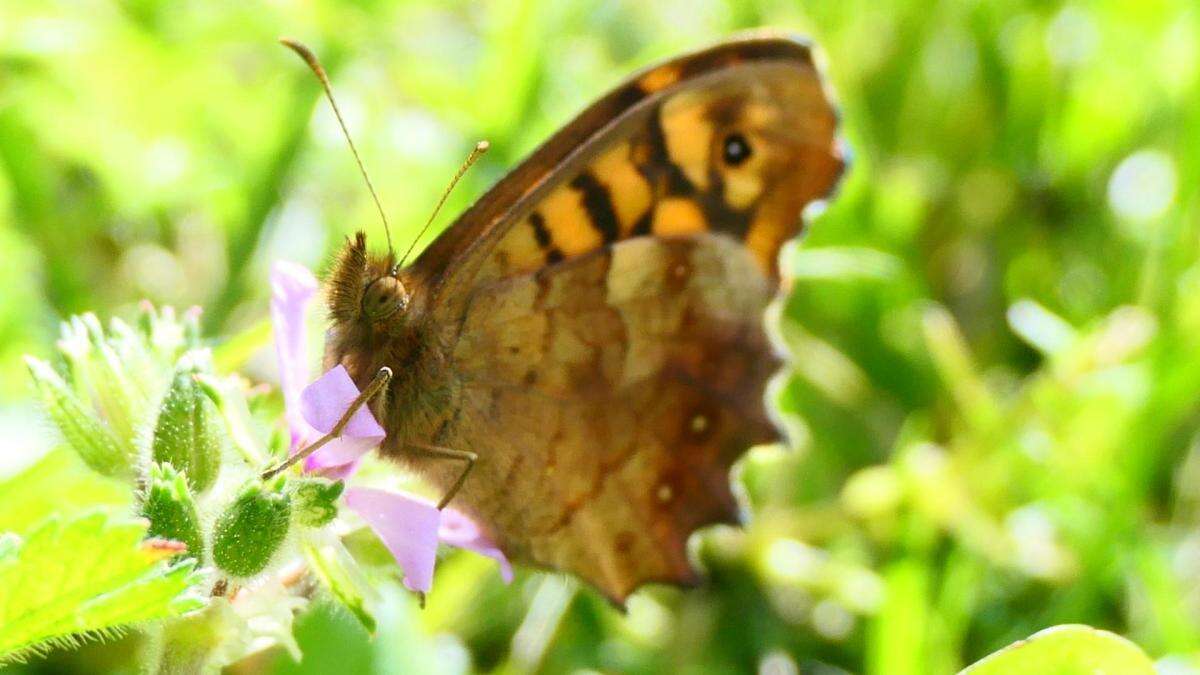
292	291
409	527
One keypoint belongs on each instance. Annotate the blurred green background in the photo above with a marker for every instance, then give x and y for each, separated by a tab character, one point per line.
996	325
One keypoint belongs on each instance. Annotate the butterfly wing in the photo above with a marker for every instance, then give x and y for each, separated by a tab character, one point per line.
607	397
597	316
648	159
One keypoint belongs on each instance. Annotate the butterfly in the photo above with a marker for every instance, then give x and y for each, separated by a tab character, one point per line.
587	340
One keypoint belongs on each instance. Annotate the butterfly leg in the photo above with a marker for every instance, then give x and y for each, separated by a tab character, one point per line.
439	452
377	385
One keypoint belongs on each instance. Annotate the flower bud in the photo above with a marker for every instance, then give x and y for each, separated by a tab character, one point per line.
118	399
188	433
163	332
251	530
191	328
96	444
314	500
144	371
171	510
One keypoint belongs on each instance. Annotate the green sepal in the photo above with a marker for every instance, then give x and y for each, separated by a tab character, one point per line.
171	510
340	573
251	529
314	500
93	440
188	433
191	328
119	400
163	332
231	404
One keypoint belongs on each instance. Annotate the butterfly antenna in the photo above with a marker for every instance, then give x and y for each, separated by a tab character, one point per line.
315	65
480	148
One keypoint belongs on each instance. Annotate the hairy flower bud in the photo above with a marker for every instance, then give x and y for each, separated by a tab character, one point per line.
188	433
120	402
96	444
251	529
171	510
163	333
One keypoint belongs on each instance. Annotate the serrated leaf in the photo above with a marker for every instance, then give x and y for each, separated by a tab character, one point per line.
58	484
1067	650
90	575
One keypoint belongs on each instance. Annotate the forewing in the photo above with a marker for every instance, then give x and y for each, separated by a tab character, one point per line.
649	158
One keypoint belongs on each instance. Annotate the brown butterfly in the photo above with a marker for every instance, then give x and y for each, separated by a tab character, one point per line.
589	335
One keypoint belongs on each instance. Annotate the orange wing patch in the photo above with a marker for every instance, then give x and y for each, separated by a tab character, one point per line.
660	78
524	247
678	216
740	157
565	218
688	133
628	188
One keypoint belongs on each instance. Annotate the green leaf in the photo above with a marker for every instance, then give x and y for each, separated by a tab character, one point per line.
86	577
1067	650
59	484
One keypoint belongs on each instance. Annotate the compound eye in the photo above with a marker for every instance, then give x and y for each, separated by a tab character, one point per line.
384	297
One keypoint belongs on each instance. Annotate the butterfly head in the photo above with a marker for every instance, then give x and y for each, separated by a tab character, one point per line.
368	307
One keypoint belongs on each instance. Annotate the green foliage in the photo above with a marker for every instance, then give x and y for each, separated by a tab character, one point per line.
1067	650
339	572
133	403
69	572
56	484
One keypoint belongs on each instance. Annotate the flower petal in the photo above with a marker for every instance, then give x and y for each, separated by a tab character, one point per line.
318	463
460	531
292	291
408	528
322	404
